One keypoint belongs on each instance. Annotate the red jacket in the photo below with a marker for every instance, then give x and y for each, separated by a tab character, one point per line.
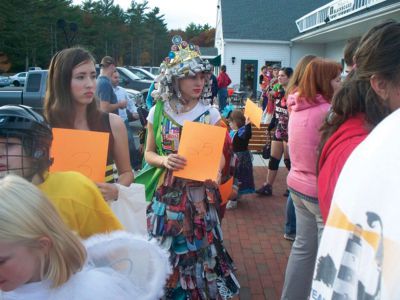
334	155
223	80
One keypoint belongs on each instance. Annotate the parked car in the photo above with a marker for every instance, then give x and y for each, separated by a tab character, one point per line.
152	70
141	73
4	81
131	81
135	96
18	79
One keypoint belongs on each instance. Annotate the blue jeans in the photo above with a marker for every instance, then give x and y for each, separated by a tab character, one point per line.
290	224
222	96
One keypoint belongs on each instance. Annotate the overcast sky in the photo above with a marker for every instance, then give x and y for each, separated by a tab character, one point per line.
179	13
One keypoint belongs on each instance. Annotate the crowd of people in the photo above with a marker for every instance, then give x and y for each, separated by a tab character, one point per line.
61	239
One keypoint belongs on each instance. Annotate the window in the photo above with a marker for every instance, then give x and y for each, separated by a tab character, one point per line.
34	83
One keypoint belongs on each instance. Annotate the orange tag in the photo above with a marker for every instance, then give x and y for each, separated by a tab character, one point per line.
252	111
225	190
201	145
80	150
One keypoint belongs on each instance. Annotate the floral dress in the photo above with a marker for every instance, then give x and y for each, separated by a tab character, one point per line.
184	216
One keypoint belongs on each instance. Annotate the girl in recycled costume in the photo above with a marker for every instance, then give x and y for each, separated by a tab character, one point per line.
184	214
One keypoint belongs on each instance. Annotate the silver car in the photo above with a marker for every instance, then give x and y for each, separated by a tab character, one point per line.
4	81
18	79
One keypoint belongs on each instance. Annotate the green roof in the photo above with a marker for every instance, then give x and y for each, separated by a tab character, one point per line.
264	19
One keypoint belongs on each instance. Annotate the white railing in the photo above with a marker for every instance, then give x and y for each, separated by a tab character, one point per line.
334	10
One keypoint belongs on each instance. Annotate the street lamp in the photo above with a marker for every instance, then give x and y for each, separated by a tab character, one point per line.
73	29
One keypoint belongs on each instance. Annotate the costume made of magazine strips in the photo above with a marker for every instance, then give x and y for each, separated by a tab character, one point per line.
184	215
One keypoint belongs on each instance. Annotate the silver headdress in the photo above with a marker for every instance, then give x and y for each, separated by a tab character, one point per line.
183	60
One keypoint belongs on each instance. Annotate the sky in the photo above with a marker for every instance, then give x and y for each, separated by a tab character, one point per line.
179	13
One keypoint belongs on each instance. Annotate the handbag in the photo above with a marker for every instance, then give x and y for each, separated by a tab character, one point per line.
149	176
130	208
266	152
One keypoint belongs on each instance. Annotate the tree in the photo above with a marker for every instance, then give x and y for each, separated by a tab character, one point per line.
157	36
29	35
136	22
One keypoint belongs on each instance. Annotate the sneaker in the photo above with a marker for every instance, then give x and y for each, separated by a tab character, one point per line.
231	204
289	236
285	194
265	190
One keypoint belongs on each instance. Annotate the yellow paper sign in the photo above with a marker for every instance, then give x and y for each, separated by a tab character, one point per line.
80	150
225	190
202	146
252	111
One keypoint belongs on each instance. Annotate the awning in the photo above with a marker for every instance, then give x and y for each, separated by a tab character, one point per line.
216	61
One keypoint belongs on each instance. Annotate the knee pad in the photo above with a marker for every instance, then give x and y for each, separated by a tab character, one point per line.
273	163
287	163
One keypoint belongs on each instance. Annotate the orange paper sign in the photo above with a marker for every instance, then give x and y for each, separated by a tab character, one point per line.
201	145
252	111
80	150
225	190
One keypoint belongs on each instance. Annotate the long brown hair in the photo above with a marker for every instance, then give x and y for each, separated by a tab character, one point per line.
58	103
317	79
298	73
377	54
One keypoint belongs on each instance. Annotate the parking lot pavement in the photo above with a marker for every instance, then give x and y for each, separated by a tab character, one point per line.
253	235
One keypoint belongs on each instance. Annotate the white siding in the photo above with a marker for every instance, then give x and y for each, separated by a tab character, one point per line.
300	50
334	50
249	51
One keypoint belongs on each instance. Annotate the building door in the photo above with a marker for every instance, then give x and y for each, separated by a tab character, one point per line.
248	77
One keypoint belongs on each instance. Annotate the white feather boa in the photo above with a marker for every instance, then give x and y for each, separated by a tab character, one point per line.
143	262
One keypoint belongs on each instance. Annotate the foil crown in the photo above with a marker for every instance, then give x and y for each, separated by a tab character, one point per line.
181	52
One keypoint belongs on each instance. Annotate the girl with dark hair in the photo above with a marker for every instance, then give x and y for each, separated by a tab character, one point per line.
70	103
358	107
308	107
280	137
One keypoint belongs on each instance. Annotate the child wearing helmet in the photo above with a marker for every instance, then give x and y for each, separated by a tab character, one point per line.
25	141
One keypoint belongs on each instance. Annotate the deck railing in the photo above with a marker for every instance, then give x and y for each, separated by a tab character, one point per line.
334	10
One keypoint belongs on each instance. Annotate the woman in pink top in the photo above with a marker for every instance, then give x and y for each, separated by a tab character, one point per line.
308	108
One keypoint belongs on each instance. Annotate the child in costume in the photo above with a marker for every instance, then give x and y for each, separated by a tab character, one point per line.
41	259
25	141
184	214
241	135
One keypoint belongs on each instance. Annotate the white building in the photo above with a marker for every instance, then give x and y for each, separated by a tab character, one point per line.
252	33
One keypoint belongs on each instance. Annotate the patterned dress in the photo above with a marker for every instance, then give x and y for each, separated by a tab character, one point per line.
281	115
184	217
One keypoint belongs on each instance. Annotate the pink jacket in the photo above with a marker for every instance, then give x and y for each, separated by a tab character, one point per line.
304	123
